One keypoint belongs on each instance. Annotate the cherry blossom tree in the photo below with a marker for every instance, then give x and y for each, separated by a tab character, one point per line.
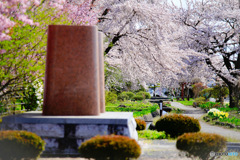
212	28
143	39
79	12
14	9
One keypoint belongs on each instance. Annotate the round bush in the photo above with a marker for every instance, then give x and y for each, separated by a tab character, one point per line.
130	94
110	97
141	124
138	97
177	124
200	100
123	97
20	144
110	147
145	95
201	144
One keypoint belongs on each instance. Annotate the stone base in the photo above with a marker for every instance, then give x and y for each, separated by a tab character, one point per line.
64	134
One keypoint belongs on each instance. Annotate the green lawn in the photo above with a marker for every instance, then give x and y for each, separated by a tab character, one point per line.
186	102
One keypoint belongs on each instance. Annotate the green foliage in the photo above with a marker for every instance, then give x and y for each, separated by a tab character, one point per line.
130	94
137	112
139	108
128	85
177	124
145	111
200	100
122	97
141	89
138	98
149	134
24	59
145	95
201	144
227	109
206	93
29	98
110	97
233	120
209	105
20	144
141	124
113	147
219	92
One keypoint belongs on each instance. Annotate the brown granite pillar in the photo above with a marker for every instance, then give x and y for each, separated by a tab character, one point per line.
101	73
72	73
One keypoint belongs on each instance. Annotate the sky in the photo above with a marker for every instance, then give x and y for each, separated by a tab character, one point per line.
177	2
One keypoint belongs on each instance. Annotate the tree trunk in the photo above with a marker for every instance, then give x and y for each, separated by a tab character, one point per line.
233	96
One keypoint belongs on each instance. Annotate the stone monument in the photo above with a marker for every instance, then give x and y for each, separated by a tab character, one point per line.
72	80
74	102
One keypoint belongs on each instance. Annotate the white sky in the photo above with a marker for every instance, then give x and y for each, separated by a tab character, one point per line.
177	2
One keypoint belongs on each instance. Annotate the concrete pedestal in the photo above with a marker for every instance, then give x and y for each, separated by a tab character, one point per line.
64	134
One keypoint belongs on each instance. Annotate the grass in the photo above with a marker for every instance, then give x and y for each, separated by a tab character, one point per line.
149	134
186	102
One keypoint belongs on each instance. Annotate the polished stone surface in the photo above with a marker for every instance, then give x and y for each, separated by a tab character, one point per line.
72	71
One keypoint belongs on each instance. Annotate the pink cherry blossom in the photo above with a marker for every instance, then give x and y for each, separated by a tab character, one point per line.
79	12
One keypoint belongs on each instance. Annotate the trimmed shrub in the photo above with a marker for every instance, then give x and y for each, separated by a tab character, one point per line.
110	97
141	124
177	124
201	144
122	97
145	95
20	144
138	97
130	94
200	100
110	147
